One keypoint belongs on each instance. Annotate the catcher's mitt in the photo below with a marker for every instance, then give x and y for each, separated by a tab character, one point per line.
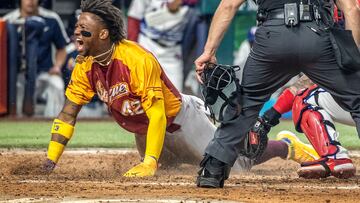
215	79
256	140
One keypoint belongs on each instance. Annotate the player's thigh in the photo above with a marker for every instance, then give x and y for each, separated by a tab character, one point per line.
327	102
196	129
345	88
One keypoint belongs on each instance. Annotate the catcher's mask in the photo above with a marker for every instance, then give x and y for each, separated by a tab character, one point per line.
219	80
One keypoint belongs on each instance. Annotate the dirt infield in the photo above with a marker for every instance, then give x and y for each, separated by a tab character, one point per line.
96	177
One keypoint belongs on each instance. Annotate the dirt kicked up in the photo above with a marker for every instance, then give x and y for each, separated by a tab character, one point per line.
97	177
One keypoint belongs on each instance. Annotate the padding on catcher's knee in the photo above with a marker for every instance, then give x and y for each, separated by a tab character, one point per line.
299	105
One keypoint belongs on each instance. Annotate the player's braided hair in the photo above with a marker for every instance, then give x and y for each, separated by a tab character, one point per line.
111	16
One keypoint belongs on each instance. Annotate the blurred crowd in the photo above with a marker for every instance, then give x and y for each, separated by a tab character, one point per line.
42	53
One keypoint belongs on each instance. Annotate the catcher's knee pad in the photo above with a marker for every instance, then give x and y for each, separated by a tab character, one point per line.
315	123
300	104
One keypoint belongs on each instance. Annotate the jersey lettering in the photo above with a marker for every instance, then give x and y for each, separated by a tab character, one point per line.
131	107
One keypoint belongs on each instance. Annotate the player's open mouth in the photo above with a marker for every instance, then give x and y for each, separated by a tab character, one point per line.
79	45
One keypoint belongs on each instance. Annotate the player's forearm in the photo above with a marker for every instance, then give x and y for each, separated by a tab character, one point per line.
220	23
62	130
60	57
303	82
69	112
61	133
156	130
351	9
174	6
352	23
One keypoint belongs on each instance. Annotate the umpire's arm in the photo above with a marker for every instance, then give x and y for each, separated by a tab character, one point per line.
351	9
220	23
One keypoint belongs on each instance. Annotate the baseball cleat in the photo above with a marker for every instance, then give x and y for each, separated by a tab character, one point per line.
298	151
213	173
339	168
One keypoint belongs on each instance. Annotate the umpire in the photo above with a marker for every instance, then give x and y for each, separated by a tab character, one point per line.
292	38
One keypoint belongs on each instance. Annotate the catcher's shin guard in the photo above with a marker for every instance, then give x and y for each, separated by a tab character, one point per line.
318	127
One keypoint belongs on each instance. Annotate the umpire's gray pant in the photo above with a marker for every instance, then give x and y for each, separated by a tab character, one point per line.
278	54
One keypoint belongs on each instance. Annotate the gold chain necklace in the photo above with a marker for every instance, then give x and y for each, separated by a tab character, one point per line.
80	58
109	52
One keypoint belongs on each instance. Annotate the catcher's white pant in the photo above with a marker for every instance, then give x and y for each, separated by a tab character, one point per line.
170	59
327	102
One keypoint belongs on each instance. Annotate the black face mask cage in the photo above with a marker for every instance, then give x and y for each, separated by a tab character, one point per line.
221	77
216	79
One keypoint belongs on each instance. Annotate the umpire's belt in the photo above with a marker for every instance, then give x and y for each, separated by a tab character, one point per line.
275	14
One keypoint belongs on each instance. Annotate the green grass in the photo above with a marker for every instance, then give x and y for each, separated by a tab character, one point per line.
87	134
107	134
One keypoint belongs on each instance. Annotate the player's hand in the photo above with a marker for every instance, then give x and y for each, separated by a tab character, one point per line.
146	168
48	166
174	6
55	70
201	62
345	5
